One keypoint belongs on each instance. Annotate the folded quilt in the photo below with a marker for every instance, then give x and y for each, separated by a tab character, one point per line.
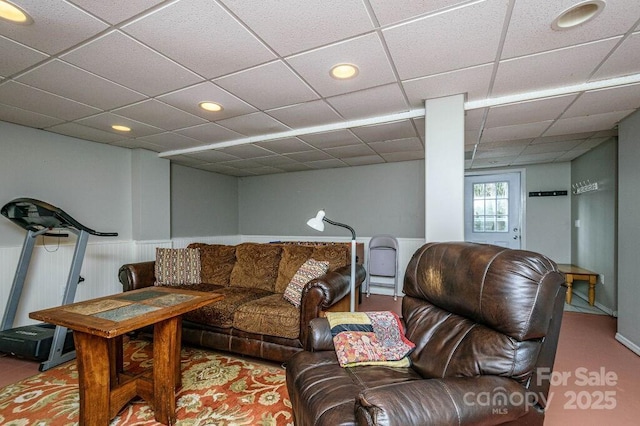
369	338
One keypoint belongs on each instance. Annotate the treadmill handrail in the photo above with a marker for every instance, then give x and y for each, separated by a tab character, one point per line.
64	219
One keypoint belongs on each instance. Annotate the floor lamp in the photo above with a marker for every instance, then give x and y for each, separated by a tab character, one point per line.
317	223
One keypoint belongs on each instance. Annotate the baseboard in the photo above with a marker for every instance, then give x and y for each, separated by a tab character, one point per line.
597	304
628	343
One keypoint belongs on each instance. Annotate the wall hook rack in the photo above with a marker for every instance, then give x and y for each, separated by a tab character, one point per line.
584	186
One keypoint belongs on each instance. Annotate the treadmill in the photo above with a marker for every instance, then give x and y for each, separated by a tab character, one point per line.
50	344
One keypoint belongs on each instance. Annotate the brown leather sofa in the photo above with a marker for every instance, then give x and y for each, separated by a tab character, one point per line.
253	319
485	321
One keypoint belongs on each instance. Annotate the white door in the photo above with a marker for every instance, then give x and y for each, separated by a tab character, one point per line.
492	206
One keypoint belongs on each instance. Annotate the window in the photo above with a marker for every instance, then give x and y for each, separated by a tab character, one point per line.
491	207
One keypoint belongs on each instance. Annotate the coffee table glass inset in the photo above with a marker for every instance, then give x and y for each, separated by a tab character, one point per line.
98	326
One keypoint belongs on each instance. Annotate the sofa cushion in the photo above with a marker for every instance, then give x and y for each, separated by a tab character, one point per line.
293	256
271	315
221	313
217	262
338	255
256	266
177	266
309	270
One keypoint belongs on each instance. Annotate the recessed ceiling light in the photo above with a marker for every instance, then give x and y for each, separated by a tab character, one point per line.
211	106
13	13
121	128
344	71
578	14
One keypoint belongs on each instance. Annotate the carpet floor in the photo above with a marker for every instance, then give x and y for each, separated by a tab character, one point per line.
216	389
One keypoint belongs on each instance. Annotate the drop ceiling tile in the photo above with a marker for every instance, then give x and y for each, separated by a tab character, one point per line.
473	81
241	164
76	130
189	99
331	139
186	160
507	151
530	27
564	137
286	146
116	11
528	112
535	158
403	156
289	29
209	133
257	123
492	162
309	156
66	80
590	123
424	47
366	52
389	12
297	167
420	124
275	161
246	151
471	137
571	155
518	131
57	25
204	37
26	118
104	57
16	57
372	102
331	163
557	68
169	141
159	114
343	152
623	61
589	143
264	170
606	133
137	144
268	86
474	119
605	100
385	131
541	148
41	102
105	120
364	160
307	114
487	146
398	145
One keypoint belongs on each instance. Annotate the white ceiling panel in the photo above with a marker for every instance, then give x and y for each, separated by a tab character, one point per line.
590	123
76	130
514	132
366	52
68	81
189	99
530	30
551	147
331	139
286	146
564	67
424	47
41	102
57	25
246	151
268	86
105	57
16	57
366	103
403	156
624	60
385	131
474	119
313	22
600	101
363	161
331	163
389	12
528	112
535	158
474	82
169	141
253	124
205	32
307	156
307	114
160	115
397	145
212	156
105	120
26	117
342	152
209	133
116	11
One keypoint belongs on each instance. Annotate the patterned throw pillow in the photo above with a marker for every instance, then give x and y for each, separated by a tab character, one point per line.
177	266
309	270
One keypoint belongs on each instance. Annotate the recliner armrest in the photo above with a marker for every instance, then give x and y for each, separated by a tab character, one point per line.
482	400
133	276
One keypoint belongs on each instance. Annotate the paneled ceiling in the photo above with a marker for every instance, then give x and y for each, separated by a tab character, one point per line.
534	94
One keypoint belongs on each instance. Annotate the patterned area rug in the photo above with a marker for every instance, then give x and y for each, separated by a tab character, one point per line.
216	389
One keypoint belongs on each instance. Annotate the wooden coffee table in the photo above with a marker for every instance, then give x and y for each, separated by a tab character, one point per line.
99	325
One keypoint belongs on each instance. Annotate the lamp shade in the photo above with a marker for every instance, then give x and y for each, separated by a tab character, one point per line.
316	222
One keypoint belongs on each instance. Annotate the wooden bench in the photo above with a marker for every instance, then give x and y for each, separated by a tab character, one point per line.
572	272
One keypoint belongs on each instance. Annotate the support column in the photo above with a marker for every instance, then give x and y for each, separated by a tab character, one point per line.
444	169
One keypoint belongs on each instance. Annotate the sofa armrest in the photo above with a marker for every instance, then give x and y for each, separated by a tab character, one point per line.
485	400
322	293
320	338
133	276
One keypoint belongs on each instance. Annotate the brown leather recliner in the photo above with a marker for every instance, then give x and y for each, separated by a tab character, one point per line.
485	321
